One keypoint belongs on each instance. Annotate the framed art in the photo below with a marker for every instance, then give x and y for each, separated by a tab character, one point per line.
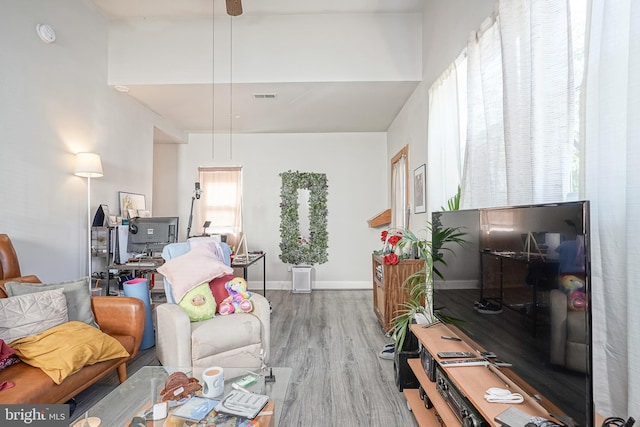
420	189
131	201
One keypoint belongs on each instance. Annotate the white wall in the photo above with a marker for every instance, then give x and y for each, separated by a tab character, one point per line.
286	48
54	102
355	164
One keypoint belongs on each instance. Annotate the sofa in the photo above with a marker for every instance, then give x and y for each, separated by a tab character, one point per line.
119	317
569	345
238	342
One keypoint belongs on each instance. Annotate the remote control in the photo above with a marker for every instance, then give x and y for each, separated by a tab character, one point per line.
488	354
497	362
445	337
464	362
453	354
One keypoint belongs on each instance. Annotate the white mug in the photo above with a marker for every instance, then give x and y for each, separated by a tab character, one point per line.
213	382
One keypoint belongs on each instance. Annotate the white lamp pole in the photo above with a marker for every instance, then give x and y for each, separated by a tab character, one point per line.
88	165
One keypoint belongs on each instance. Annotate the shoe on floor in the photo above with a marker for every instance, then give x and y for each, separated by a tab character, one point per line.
387	353
486	307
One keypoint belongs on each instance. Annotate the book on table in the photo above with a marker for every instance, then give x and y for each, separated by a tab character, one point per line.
196	408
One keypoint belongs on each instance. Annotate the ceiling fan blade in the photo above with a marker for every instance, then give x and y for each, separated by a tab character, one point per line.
234	7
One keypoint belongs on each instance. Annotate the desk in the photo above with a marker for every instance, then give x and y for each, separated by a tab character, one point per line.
529	275
245	262
138	267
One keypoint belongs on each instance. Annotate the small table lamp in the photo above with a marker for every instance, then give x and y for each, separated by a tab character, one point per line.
88	165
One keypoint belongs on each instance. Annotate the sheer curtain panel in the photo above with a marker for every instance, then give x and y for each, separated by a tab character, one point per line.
521	106
447	133
399	193
221	201
484	181
612	139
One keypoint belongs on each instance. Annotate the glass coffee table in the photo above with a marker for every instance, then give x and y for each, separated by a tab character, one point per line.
132	397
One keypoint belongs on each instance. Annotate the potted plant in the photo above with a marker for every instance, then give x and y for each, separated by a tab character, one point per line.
419	285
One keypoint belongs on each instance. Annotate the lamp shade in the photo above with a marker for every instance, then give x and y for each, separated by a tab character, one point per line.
88	165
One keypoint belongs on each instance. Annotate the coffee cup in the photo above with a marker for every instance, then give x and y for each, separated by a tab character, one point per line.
213	382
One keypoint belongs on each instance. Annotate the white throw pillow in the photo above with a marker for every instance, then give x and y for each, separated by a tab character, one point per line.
26	315
75	291
199	265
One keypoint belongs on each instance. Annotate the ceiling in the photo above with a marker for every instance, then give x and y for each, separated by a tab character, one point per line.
298	106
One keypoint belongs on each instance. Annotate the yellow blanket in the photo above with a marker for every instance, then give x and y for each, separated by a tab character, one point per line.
65	349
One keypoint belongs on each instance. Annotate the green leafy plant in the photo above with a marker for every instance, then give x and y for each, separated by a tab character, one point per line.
295	249
453	204
419	285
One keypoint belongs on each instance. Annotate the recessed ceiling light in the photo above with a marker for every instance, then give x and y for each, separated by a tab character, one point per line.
121	88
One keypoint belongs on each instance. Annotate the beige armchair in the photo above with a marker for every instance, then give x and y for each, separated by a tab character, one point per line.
569	340
237	342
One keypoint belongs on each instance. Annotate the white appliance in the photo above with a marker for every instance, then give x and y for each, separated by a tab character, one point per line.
301	275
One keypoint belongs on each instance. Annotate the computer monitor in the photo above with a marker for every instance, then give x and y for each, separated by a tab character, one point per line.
150	235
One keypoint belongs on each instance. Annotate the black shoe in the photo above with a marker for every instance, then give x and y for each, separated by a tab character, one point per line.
486	307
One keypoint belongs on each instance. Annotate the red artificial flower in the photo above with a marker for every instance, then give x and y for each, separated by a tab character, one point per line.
394	239
383	235
390	259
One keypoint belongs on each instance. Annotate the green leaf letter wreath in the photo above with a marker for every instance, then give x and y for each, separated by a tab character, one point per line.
293	249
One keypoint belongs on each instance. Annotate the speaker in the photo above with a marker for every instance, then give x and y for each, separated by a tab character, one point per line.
405	378
428	363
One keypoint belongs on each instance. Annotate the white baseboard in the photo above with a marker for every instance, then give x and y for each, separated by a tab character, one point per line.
256	286
457	284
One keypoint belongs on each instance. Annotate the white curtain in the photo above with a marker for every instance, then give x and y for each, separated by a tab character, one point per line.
484	181
399	193
521	106
447	133
221	201
612	140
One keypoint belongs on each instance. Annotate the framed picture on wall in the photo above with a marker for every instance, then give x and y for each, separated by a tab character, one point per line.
420	189
131	201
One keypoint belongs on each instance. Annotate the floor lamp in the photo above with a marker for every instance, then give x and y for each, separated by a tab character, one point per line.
88	165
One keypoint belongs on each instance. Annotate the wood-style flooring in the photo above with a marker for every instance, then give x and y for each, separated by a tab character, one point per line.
331	340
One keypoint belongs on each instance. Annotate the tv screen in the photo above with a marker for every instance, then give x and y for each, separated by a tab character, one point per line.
150	235
520	288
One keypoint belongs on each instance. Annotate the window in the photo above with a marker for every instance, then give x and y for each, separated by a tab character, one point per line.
221	201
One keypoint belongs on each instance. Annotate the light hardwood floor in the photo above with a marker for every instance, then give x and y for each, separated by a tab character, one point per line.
331	340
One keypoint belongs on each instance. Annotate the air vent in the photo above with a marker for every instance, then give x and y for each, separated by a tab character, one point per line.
265	95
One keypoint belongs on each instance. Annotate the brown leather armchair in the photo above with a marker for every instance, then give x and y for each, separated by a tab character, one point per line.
9	265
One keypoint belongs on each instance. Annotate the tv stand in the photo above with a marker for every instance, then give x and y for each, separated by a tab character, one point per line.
471	381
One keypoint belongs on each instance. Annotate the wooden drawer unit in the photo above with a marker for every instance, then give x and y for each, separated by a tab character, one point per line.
388	292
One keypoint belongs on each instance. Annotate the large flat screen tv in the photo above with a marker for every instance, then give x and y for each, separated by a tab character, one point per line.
150	235
520	288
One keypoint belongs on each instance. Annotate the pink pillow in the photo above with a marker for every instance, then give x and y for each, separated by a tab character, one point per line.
189	270
218	290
